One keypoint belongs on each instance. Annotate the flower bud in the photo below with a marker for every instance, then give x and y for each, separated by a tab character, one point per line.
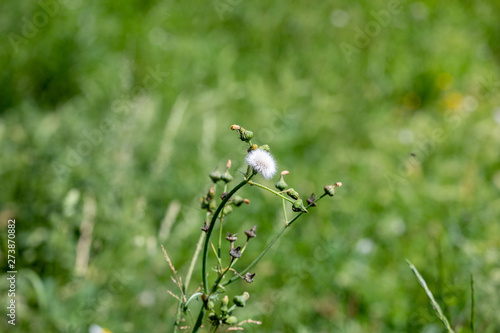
240	300
266	148
292	193
212	205
281	184
330	189
210	305
231	320
253	147
213	317
215	176
224	303
245	135
237	200
226	177
211	193
298	206
204	203
227	209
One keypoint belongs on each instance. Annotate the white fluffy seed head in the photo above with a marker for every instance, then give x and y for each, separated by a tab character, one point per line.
262	162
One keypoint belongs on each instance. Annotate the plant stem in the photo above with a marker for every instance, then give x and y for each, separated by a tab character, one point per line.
193	296
284	212
271	190
220	229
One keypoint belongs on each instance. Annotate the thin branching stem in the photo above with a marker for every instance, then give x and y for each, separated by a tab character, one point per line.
270	190
269	245
220	229
284	211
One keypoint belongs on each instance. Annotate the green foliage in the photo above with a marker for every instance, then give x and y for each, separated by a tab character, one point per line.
124	109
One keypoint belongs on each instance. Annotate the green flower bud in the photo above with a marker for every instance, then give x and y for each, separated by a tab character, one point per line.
224	303
281	184
210	305
226	177
237	200
211	193
292	193
245	135
215	176
298	206
330	189
204	203
212	205
241	299
227	209
231	320
213	317
266	148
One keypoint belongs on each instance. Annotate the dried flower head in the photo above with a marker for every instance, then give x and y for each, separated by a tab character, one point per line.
231	237
235	253
249	277
262	162
251	233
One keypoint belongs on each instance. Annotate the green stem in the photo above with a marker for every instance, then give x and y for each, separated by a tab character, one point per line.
191	298
199	320
284	212
214	328
220	228
271	190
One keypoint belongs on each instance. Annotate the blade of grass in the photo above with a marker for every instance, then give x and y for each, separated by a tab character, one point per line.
435	305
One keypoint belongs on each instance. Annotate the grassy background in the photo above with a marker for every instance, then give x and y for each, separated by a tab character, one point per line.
126	108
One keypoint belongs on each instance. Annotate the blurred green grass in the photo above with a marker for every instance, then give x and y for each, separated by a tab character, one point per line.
278	70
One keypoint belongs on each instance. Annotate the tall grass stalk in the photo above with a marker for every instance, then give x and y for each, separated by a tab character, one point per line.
435	305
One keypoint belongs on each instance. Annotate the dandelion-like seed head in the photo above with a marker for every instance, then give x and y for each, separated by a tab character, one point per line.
262	162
